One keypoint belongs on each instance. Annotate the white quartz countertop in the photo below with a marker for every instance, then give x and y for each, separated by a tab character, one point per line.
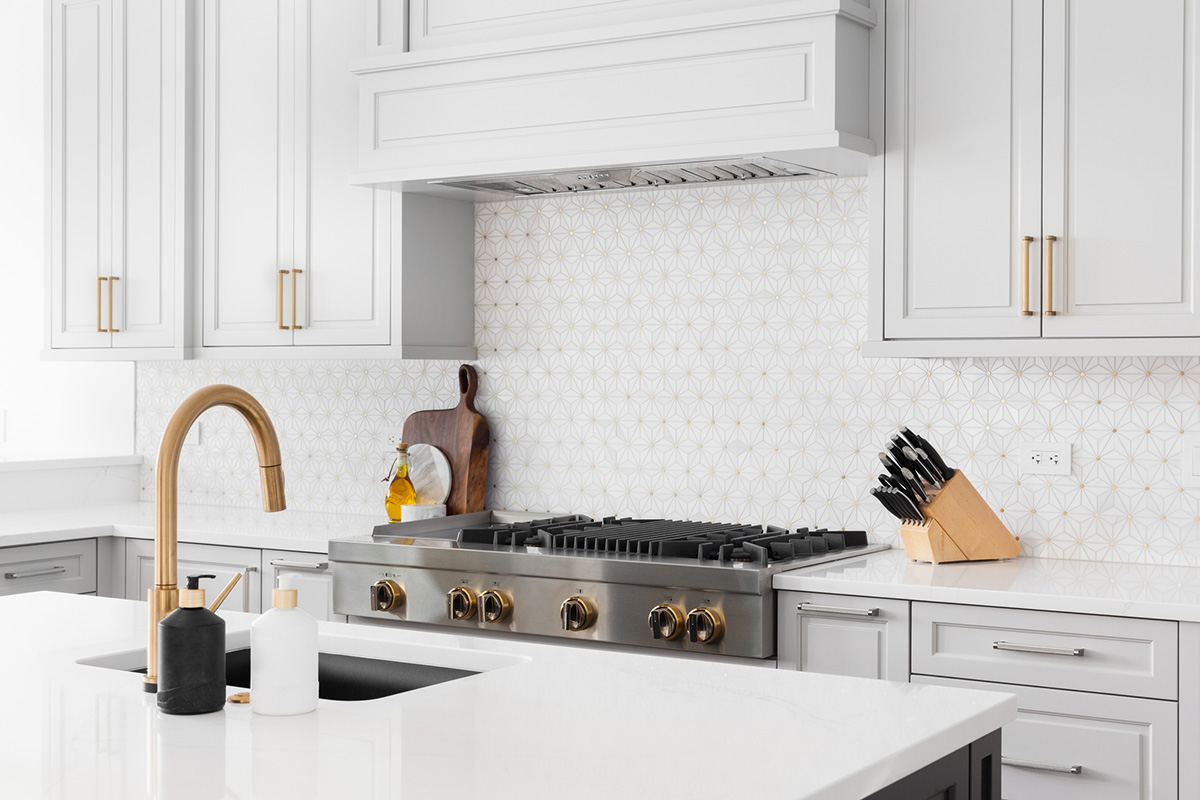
1150	591
536	722
304	531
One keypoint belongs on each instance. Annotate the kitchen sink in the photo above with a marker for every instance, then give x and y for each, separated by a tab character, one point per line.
342	677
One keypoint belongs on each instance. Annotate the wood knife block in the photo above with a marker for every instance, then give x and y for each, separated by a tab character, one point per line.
959	526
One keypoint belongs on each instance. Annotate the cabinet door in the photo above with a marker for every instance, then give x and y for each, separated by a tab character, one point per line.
247	56
308	573
224	562
1120	167
1080	746
861	637
81	185
962	166
148	135
343	241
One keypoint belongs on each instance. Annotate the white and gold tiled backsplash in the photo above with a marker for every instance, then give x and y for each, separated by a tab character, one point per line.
694	354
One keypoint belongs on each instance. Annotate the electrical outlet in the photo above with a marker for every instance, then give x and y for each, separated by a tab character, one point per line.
390	436
193	435
1191	461
1046	458
3	425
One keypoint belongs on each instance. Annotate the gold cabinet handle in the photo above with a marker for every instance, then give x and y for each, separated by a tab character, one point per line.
279	298
112	328
1025	242
295	272
1050	240
100	306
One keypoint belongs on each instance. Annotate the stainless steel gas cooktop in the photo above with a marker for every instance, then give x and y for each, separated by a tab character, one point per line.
668	584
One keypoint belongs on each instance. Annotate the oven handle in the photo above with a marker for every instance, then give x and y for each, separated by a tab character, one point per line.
814	608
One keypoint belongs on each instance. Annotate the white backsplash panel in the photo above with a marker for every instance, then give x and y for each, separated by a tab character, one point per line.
695	354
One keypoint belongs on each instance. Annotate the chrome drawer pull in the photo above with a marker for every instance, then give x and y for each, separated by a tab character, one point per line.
279	562
804	608
1069	769
1038	648
37	573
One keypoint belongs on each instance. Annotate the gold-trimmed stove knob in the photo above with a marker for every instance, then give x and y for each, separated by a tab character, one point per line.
494	605
577	614
666	622
460	603
704	625
386	595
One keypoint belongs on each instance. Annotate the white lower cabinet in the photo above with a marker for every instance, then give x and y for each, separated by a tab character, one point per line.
52	567
862	637
1109	707
1083	746
307	572
199	559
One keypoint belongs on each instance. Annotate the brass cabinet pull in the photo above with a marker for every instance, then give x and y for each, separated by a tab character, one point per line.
279	298
112	328
100	306
1050	240
295	272
1025	242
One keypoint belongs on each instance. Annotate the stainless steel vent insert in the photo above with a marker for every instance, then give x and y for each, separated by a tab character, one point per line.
677	174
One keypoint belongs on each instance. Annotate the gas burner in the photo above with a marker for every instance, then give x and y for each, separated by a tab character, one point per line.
720	543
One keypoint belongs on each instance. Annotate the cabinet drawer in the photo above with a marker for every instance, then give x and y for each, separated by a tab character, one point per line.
1114	655
862	637
55	567
1124	747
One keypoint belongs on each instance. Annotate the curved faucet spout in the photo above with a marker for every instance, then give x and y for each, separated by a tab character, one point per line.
164	597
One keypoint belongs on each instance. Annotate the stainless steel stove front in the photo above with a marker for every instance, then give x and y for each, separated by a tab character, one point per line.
619	613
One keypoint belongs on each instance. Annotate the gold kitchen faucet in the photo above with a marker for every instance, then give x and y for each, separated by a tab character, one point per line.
164	597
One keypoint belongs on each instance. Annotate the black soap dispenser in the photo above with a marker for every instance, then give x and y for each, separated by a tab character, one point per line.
191	655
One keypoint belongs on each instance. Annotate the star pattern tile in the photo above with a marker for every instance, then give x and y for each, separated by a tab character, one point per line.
694	353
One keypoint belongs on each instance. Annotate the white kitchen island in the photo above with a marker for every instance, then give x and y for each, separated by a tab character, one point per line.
536	721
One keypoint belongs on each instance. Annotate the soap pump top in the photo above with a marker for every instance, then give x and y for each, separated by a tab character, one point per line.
193	595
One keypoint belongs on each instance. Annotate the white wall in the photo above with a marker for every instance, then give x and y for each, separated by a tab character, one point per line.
51	409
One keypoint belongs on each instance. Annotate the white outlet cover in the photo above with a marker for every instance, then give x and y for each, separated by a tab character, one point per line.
1191	460
1046	458
193	435
390	437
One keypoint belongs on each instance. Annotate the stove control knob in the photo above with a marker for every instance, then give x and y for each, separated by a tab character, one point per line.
666	622
460	603
495	605
577	614
386	595
704	625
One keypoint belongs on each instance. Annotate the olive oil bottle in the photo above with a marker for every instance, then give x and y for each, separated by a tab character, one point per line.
401	491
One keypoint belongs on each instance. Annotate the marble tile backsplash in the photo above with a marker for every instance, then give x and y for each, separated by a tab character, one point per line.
695	354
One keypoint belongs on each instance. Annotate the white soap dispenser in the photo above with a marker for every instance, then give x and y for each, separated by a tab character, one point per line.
283	658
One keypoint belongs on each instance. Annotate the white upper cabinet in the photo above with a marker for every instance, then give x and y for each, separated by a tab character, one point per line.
297	259
963	161
117	114
225	133
247	188
1037	180
1120	168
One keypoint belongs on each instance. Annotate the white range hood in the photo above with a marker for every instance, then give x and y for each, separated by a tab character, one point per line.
763	90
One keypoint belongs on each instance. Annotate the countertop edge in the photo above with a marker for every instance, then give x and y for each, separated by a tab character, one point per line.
799	581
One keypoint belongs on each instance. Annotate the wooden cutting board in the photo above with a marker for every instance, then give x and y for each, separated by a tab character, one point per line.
462	434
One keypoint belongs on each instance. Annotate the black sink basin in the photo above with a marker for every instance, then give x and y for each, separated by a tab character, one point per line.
352	677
